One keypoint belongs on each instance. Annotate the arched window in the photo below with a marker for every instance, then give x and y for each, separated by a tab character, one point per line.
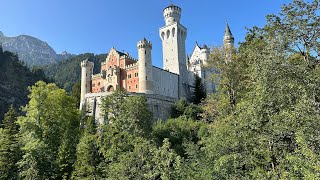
110	89
162	35
168	34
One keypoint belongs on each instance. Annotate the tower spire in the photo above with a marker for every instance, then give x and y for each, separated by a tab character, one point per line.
228	42
227	32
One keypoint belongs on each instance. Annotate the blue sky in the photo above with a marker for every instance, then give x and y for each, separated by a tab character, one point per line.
80	26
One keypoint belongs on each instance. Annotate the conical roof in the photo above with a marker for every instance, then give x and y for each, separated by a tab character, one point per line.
227	31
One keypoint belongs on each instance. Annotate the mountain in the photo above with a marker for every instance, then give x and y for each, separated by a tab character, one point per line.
15	79
67	72
31	50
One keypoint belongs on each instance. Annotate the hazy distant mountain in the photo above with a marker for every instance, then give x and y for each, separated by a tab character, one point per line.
31	50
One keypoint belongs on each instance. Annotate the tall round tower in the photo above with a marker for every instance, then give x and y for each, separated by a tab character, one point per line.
172	14
145	67
86	82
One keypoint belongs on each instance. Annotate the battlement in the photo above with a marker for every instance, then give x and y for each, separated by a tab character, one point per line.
132	66
86	63
144	44
172	14
128	57
96	76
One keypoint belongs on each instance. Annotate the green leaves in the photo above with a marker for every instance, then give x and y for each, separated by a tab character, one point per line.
50	130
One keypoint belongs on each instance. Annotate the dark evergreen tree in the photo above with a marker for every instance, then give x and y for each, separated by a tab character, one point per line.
199	93
10	152
87	165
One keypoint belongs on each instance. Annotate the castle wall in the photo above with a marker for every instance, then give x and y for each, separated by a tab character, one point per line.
165	83
160	106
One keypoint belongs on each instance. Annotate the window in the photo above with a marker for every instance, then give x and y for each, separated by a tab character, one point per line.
93	85
136	86
136	74
145	52
129	76
146	78
98	83
129	87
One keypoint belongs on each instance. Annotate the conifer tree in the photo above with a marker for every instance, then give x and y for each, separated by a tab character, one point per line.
88	157
199	93
9	146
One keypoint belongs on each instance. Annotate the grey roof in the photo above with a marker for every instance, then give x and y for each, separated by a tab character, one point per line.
227	31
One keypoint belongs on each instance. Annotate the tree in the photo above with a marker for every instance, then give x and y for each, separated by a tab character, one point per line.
183	108
88	156
298	26
271	129
127	121
10	152
50	133
199	93
179	131
76	93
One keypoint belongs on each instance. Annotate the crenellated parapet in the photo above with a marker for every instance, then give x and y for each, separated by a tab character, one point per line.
132	66
87	63
144	44
128	57
172	14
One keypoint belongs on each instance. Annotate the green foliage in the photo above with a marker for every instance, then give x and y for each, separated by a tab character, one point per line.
76	93
199	93
49	133
88	157
179	131
298	27
183	108
10	152
68	72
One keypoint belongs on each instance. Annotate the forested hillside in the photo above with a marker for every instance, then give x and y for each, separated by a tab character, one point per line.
262	123
15	79
67	72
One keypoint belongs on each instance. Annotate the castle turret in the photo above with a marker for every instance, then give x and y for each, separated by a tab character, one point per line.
145	67
86	81
228	39
172	14
228	42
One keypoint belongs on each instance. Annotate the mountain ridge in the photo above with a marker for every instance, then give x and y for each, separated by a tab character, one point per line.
31	50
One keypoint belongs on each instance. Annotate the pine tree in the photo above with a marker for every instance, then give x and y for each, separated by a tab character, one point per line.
9	146
199	93
88	157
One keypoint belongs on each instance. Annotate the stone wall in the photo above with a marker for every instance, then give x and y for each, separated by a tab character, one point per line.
160	106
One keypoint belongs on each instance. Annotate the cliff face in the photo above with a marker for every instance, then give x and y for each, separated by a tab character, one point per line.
15	79
31	51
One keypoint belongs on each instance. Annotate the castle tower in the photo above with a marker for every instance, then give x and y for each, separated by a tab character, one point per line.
228	42
173	36
86	81
145	67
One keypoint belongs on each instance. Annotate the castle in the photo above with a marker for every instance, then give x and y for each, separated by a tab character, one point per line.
161	87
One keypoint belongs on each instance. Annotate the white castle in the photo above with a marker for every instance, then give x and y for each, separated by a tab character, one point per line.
161	87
